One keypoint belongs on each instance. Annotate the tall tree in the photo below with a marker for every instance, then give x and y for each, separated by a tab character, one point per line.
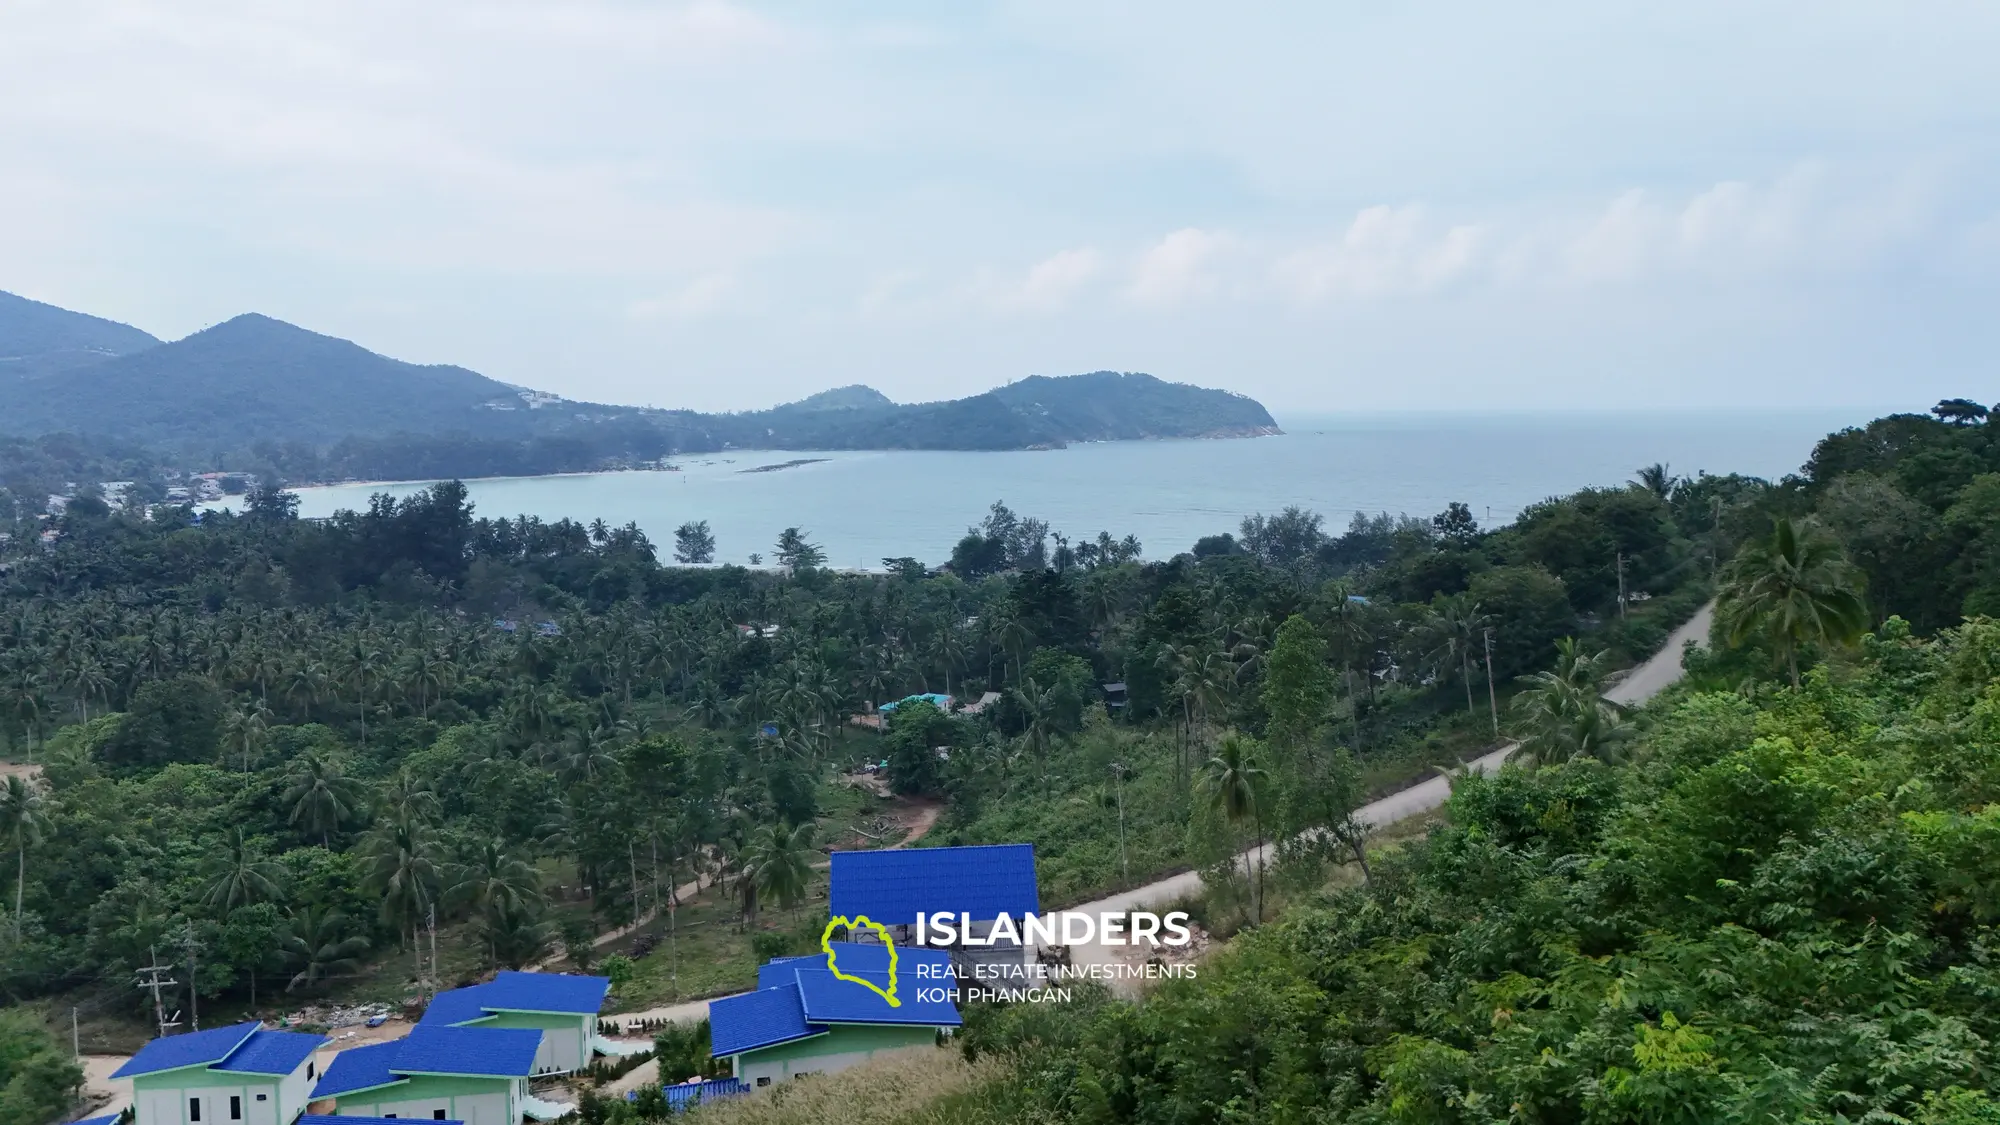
24	822
241	875
322	797
1234	785
1791	589
776	864
694	543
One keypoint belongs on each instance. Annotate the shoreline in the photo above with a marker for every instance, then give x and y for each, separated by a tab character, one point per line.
685	458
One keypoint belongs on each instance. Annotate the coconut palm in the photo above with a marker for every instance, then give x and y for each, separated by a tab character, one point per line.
1455	630
776	863
1562	714
1234	786
322	797
399	862
1791	589
321	947
1657	479
514	936
490	875
24	823
240	875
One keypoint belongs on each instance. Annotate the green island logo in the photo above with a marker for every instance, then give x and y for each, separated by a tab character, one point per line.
826	944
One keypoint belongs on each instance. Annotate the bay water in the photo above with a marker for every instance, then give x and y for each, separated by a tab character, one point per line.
865	506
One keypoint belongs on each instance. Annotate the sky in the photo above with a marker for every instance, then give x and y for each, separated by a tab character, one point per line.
1330	206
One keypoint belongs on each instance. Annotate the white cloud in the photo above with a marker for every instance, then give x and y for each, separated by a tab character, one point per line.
1384	251
704	296
1179	267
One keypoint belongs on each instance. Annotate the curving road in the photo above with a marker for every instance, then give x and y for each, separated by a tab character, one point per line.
1659	672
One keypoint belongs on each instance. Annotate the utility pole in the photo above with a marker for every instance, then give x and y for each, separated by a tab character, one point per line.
1124	862
194	998
1492	696
75	1041
1621	585
431	977
149	978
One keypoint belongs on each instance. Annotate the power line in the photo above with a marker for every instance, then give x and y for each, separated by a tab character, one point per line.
149	978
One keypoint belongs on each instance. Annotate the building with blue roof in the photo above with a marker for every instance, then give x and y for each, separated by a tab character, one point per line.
941	702
894	886
475	1075
562	1007
241	1073
106	1119
804	1020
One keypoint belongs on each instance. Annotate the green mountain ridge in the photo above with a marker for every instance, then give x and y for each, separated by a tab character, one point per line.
38	338
258	390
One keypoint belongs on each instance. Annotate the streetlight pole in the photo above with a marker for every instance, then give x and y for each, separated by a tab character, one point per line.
1492	696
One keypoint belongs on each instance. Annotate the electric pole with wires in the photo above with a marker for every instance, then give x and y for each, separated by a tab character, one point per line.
149	978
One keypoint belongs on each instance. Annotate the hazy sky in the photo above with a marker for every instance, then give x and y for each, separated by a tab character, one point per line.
1325	205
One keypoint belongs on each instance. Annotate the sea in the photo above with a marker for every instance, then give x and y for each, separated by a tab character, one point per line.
863	507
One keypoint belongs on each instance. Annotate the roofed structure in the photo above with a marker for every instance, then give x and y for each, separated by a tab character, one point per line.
894	886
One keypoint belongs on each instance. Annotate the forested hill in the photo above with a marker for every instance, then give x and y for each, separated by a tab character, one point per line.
258	393
36	338
248	377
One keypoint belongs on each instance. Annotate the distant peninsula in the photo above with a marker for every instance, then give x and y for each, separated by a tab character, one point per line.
259	395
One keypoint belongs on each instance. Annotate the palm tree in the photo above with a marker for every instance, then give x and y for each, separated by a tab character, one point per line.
320	945
244	727
1038	704
1792	589
241	876
1657	479
1234	785
1455	626
399	862
514	936
776	862
496	884
322	797
24	821
1563	714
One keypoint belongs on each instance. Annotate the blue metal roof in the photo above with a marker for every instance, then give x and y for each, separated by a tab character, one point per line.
688	1094
488	1052
942	702
518	992
198	1048
862	957
763	1018
358	1068
828	999
893	887
318	1119
271	1052
455	1006
545	992
107	1119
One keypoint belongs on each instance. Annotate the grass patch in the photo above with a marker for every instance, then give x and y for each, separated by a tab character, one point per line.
921	1086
